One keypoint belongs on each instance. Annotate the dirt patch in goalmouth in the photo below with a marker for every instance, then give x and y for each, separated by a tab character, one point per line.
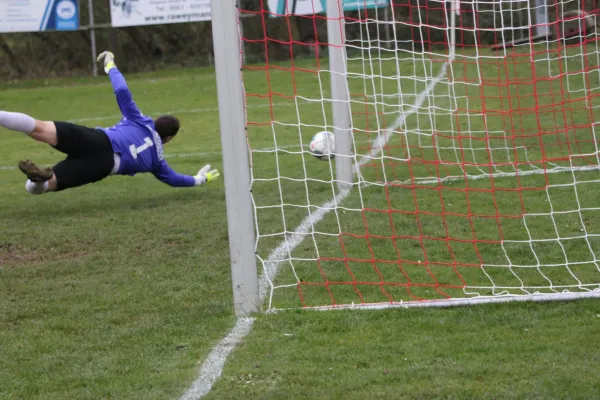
14	256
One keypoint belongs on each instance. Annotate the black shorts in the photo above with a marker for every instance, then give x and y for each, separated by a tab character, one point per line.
90	156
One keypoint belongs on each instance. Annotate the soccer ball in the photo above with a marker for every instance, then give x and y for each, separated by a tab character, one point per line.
322	146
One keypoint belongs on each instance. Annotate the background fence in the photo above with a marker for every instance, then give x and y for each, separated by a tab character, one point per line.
146	48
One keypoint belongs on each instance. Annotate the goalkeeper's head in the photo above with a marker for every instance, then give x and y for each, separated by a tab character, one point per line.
167	127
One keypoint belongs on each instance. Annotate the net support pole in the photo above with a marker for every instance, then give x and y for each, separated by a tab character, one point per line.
386	18
339	94
541	18
92	37
454	12
236	171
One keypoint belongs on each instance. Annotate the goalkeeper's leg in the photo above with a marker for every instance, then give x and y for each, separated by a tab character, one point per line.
70	173
90	158
41	180
42	131
90	153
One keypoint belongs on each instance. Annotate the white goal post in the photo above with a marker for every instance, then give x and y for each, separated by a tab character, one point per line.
236	174
467	161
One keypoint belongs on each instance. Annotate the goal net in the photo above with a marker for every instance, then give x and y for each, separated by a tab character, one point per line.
474	151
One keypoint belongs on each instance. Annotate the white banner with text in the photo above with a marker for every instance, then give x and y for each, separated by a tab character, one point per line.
152	12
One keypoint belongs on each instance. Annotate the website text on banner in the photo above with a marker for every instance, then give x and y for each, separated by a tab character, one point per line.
143	12
38	15
309	7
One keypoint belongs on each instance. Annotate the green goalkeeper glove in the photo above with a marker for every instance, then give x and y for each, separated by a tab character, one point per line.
206	175
108	59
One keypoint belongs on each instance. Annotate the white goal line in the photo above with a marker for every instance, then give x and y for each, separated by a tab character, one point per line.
180	111
208	153
212	367
293	240
373	156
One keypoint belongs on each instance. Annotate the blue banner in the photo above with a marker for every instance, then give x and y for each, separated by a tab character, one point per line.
308	7
353	5
38	15
64	16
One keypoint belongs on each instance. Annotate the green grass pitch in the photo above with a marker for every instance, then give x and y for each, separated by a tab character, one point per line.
118	290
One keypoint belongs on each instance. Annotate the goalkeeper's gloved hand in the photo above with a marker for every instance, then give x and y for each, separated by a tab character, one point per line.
108	59
206	175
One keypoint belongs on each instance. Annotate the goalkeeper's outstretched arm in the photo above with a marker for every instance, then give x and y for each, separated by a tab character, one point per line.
124	97
167	175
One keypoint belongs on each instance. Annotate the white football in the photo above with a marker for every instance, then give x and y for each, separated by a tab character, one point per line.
322	146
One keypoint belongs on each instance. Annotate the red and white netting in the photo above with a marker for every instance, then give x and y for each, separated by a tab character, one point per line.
475	154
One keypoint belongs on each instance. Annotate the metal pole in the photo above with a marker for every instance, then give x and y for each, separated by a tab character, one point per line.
92	37
340	95
236	170
243	44
455	10
386	17
541	17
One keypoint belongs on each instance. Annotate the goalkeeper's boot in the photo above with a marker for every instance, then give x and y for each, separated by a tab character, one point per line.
35	173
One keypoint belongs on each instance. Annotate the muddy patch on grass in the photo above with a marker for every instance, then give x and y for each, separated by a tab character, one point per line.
14	256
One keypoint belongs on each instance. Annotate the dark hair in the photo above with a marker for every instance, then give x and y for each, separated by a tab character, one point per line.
166	125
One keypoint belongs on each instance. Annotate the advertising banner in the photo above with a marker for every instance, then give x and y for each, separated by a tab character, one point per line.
38	15
308	7
152	12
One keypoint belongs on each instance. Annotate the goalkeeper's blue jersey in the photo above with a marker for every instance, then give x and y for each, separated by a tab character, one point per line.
135	140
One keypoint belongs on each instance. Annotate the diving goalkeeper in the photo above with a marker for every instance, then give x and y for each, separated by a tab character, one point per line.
134	145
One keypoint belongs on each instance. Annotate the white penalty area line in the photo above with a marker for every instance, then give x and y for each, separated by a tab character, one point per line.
176	155
210	153
197	154
182	111
212	367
